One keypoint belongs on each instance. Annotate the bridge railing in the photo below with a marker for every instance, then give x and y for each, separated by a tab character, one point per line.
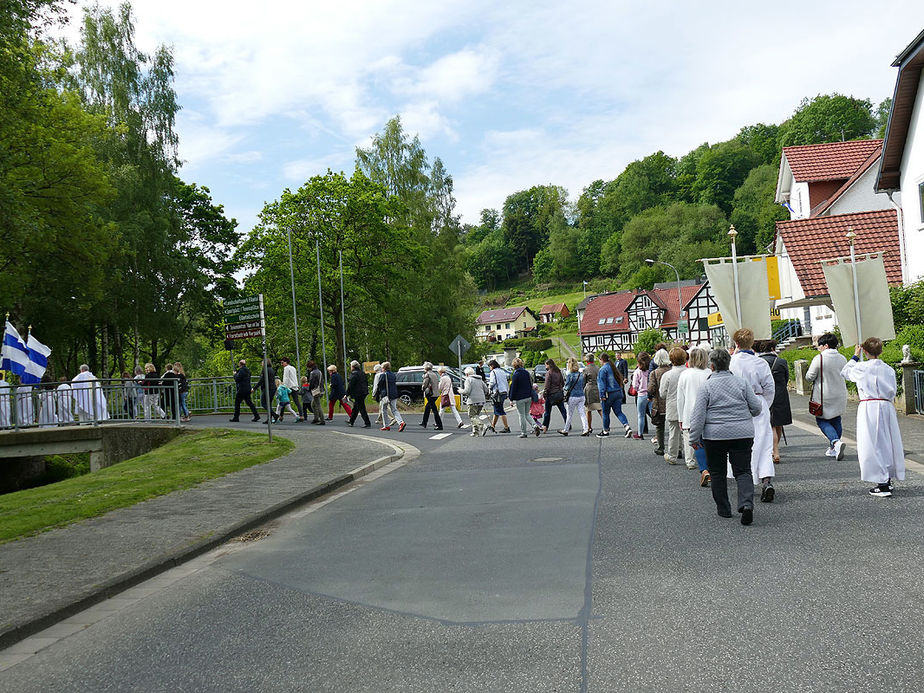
89	402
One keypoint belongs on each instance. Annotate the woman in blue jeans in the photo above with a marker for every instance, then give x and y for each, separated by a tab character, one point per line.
610	384
640	383
830	390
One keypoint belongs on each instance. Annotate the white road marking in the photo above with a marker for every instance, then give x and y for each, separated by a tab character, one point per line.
440	436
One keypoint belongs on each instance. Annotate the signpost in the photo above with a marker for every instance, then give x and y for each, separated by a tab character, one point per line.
244	318
683	327
459	346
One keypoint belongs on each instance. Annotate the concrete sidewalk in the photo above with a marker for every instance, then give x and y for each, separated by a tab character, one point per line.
53	575
911	426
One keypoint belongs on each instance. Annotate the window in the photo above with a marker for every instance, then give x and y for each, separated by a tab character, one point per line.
619	320
498	327
524	323
602	321
703	324
508	325
609	321
921	195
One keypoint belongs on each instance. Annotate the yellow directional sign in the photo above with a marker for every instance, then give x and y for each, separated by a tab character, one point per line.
715	319
773	275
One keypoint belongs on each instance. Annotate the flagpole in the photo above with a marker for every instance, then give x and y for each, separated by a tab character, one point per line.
851	236
733	234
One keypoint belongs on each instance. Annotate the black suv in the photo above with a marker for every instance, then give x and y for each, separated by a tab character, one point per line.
409	380
539	372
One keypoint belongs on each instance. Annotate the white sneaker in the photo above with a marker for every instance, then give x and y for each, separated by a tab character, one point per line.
830	453
839	448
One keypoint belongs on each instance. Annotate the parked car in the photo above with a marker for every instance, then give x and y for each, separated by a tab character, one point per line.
539	372
409	380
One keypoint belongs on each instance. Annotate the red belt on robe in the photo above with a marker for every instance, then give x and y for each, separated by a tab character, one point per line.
875	399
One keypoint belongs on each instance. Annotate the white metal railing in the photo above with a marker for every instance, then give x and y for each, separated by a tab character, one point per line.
89	402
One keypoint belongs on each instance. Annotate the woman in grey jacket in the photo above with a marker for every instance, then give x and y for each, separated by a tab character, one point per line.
721	423
474	392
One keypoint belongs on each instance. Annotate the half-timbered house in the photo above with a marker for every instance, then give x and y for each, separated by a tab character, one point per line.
605	324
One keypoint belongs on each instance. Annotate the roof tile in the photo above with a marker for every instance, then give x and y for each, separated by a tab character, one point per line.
808	241
830	161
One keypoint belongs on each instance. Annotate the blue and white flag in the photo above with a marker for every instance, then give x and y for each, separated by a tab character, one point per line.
28	360
38	361
14	355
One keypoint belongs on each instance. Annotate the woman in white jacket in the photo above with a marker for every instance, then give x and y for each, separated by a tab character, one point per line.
690	383
830	390
446	393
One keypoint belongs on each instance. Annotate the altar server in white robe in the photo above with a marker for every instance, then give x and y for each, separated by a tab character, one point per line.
25	409
46	399
753	369
65	402
879	440
4	402
89	399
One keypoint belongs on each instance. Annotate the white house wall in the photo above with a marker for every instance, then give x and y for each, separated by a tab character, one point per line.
912	176
861	197
799	201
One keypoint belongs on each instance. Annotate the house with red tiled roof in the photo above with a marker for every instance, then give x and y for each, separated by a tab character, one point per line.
901	167
498	324
553	312
831	178
613	322
828	188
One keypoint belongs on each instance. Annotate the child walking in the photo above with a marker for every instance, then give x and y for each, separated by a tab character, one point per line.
283	402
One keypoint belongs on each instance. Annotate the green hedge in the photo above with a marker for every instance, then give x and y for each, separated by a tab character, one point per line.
527	344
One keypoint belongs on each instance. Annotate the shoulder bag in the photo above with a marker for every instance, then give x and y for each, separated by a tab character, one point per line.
816	409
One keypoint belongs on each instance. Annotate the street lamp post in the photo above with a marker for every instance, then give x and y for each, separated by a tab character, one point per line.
651	262
298	358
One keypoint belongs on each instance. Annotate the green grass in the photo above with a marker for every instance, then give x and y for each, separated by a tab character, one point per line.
188	460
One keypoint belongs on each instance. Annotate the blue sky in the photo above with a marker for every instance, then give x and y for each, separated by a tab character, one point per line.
507	94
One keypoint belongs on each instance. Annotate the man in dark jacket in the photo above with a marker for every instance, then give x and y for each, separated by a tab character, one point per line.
357	389
267	386
169	393
242	394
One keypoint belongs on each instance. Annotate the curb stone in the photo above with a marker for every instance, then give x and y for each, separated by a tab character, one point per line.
132	578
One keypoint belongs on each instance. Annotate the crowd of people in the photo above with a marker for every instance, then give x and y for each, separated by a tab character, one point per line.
720	412
146	394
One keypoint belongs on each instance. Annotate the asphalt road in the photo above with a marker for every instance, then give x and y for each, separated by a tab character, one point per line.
549	564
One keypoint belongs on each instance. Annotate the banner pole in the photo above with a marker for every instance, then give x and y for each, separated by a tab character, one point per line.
856	291
733	234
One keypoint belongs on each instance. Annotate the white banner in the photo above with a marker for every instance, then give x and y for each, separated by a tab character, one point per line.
753	295
875	304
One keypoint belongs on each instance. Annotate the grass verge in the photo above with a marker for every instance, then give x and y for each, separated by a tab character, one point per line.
188	460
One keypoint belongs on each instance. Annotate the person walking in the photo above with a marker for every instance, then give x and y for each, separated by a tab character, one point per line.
497	384
171	382
668	392
336	393
65	401
753	369
475	393
621	366
305	398
430	387
316	385
553	393
521	388
266	384
152	389
388	396
780	410
591	391
290	380
380	419
574	397
243	392
184	391
829	393
357	389
879	440
128	395
662	364
284	402
611	385
447	398
722	423
640	385
688	387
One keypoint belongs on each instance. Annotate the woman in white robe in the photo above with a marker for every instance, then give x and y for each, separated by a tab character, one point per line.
65	403
46	399
755	371
25	410
879	440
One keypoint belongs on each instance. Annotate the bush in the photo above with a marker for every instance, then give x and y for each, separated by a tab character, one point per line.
648	340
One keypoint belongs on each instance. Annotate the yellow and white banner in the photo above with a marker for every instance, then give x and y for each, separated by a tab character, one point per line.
873	289
753	296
